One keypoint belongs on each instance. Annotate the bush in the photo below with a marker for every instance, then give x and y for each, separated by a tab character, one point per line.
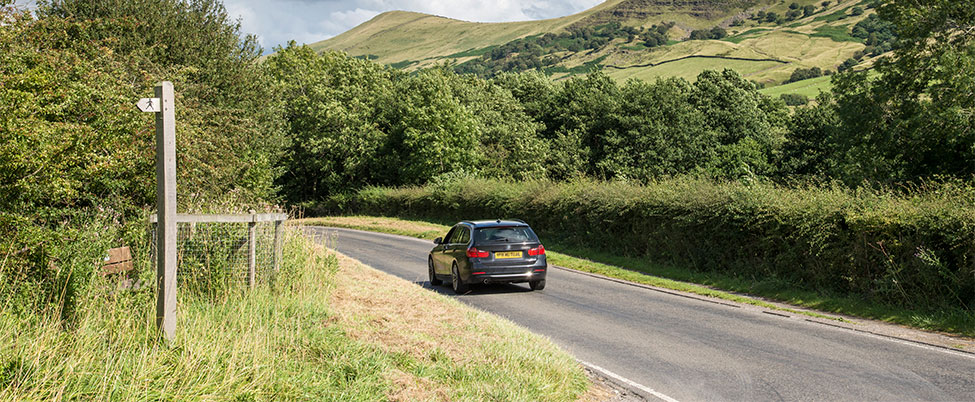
77	158
794	99
800	74
915	250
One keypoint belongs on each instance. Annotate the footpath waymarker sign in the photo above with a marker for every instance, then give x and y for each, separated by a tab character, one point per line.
163	105
149	105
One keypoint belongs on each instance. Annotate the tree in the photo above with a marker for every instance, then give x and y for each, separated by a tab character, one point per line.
748	125
331	105
794	99
657	132
913	120
430	132
231	135
809	149
576	123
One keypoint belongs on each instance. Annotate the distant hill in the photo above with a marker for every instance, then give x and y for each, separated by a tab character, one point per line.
764	40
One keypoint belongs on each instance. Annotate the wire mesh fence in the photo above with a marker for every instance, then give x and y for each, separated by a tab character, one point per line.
219	252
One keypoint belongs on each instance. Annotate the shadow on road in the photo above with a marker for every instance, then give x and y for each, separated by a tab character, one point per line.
482	289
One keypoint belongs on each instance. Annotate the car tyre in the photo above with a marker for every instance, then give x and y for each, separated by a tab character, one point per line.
434	281
456	283
537	285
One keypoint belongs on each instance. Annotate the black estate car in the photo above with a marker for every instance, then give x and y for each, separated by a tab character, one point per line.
498	251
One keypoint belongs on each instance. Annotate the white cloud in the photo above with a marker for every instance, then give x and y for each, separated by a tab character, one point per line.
308	21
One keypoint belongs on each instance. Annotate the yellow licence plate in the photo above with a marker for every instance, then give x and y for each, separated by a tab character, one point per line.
508	254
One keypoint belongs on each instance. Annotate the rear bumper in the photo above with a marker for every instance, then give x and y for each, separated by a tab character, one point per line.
481	273
507	278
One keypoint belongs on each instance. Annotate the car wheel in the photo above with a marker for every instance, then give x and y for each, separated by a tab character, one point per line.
434	281
458	285
537	285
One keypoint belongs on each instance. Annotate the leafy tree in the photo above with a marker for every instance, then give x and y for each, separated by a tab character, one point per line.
331	103
800	74
809	149
657	132
914	120
77	159
794	99
430	132
231	133
577	123
508	136
748	125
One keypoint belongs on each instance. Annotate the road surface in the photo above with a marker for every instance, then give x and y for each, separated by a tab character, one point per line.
688	349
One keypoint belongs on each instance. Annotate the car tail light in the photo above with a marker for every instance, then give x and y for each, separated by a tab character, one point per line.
473	252
540	250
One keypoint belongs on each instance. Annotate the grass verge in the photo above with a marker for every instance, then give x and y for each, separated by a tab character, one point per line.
715	285
317	333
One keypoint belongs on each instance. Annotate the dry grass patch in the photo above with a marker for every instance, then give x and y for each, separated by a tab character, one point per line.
446	350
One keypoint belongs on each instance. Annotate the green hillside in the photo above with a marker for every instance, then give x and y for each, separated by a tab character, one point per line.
764	40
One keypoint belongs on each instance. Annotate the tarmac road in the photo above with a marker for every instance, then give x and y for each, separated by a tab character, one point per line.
685	348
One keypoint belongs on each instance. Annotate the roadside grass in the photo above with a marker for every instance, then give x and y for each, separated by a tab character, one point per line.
443	349
716	285
281	341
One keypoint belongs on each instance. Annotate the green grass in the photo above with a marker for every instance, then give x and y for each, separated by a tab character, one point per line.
710	284
833	17
473	52
690	68
809	88
744	35
636	47
278	342
836	33
402	64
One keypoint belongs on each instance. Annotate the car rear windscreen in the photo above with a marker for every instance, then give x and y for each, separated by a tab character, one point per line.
504	234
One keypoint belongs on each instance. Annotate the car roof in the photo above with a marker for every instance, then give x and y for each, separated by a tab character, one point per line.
495	223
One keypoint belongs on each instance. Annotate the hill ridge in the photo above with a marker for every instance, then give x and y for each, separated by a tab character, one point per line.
616	36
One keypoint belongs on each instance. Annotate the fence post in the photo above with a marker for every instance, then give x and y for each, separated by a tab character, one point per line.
252	251
166	209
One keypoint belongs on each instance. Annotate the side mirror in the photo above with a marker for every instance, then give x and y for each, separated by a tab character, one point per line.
438	240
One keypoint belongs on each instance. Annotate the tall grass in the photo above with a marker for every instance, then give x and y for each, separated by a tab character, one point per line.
271	343
281	341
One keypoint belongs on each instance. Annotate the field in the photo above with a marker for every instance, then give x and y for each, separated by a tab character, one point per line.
809	88
690	68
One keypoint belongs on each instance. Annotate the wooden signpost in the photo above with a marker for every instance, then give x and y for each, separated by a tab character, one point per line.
163	105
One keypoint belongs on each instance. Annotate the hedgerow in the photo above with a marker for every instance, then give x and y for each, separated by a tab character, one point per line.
913	248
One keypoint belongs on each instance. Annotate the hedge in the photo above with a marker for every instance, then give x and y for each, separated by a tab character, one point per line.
911	247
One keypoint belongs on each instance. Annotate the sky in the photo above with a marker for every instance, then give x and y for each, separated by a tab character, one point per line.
308	21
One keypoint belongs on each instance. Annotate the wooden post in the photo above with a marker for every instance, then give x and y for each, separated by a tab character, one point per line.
252	252
166	209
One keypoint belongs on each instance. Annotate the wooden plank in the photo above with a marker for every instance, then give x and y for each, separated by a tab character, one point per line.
124	266
225	218
118	260
120	254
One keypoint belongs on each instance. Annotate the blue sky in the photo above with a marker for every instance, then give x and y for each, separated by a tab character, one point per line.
308	21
